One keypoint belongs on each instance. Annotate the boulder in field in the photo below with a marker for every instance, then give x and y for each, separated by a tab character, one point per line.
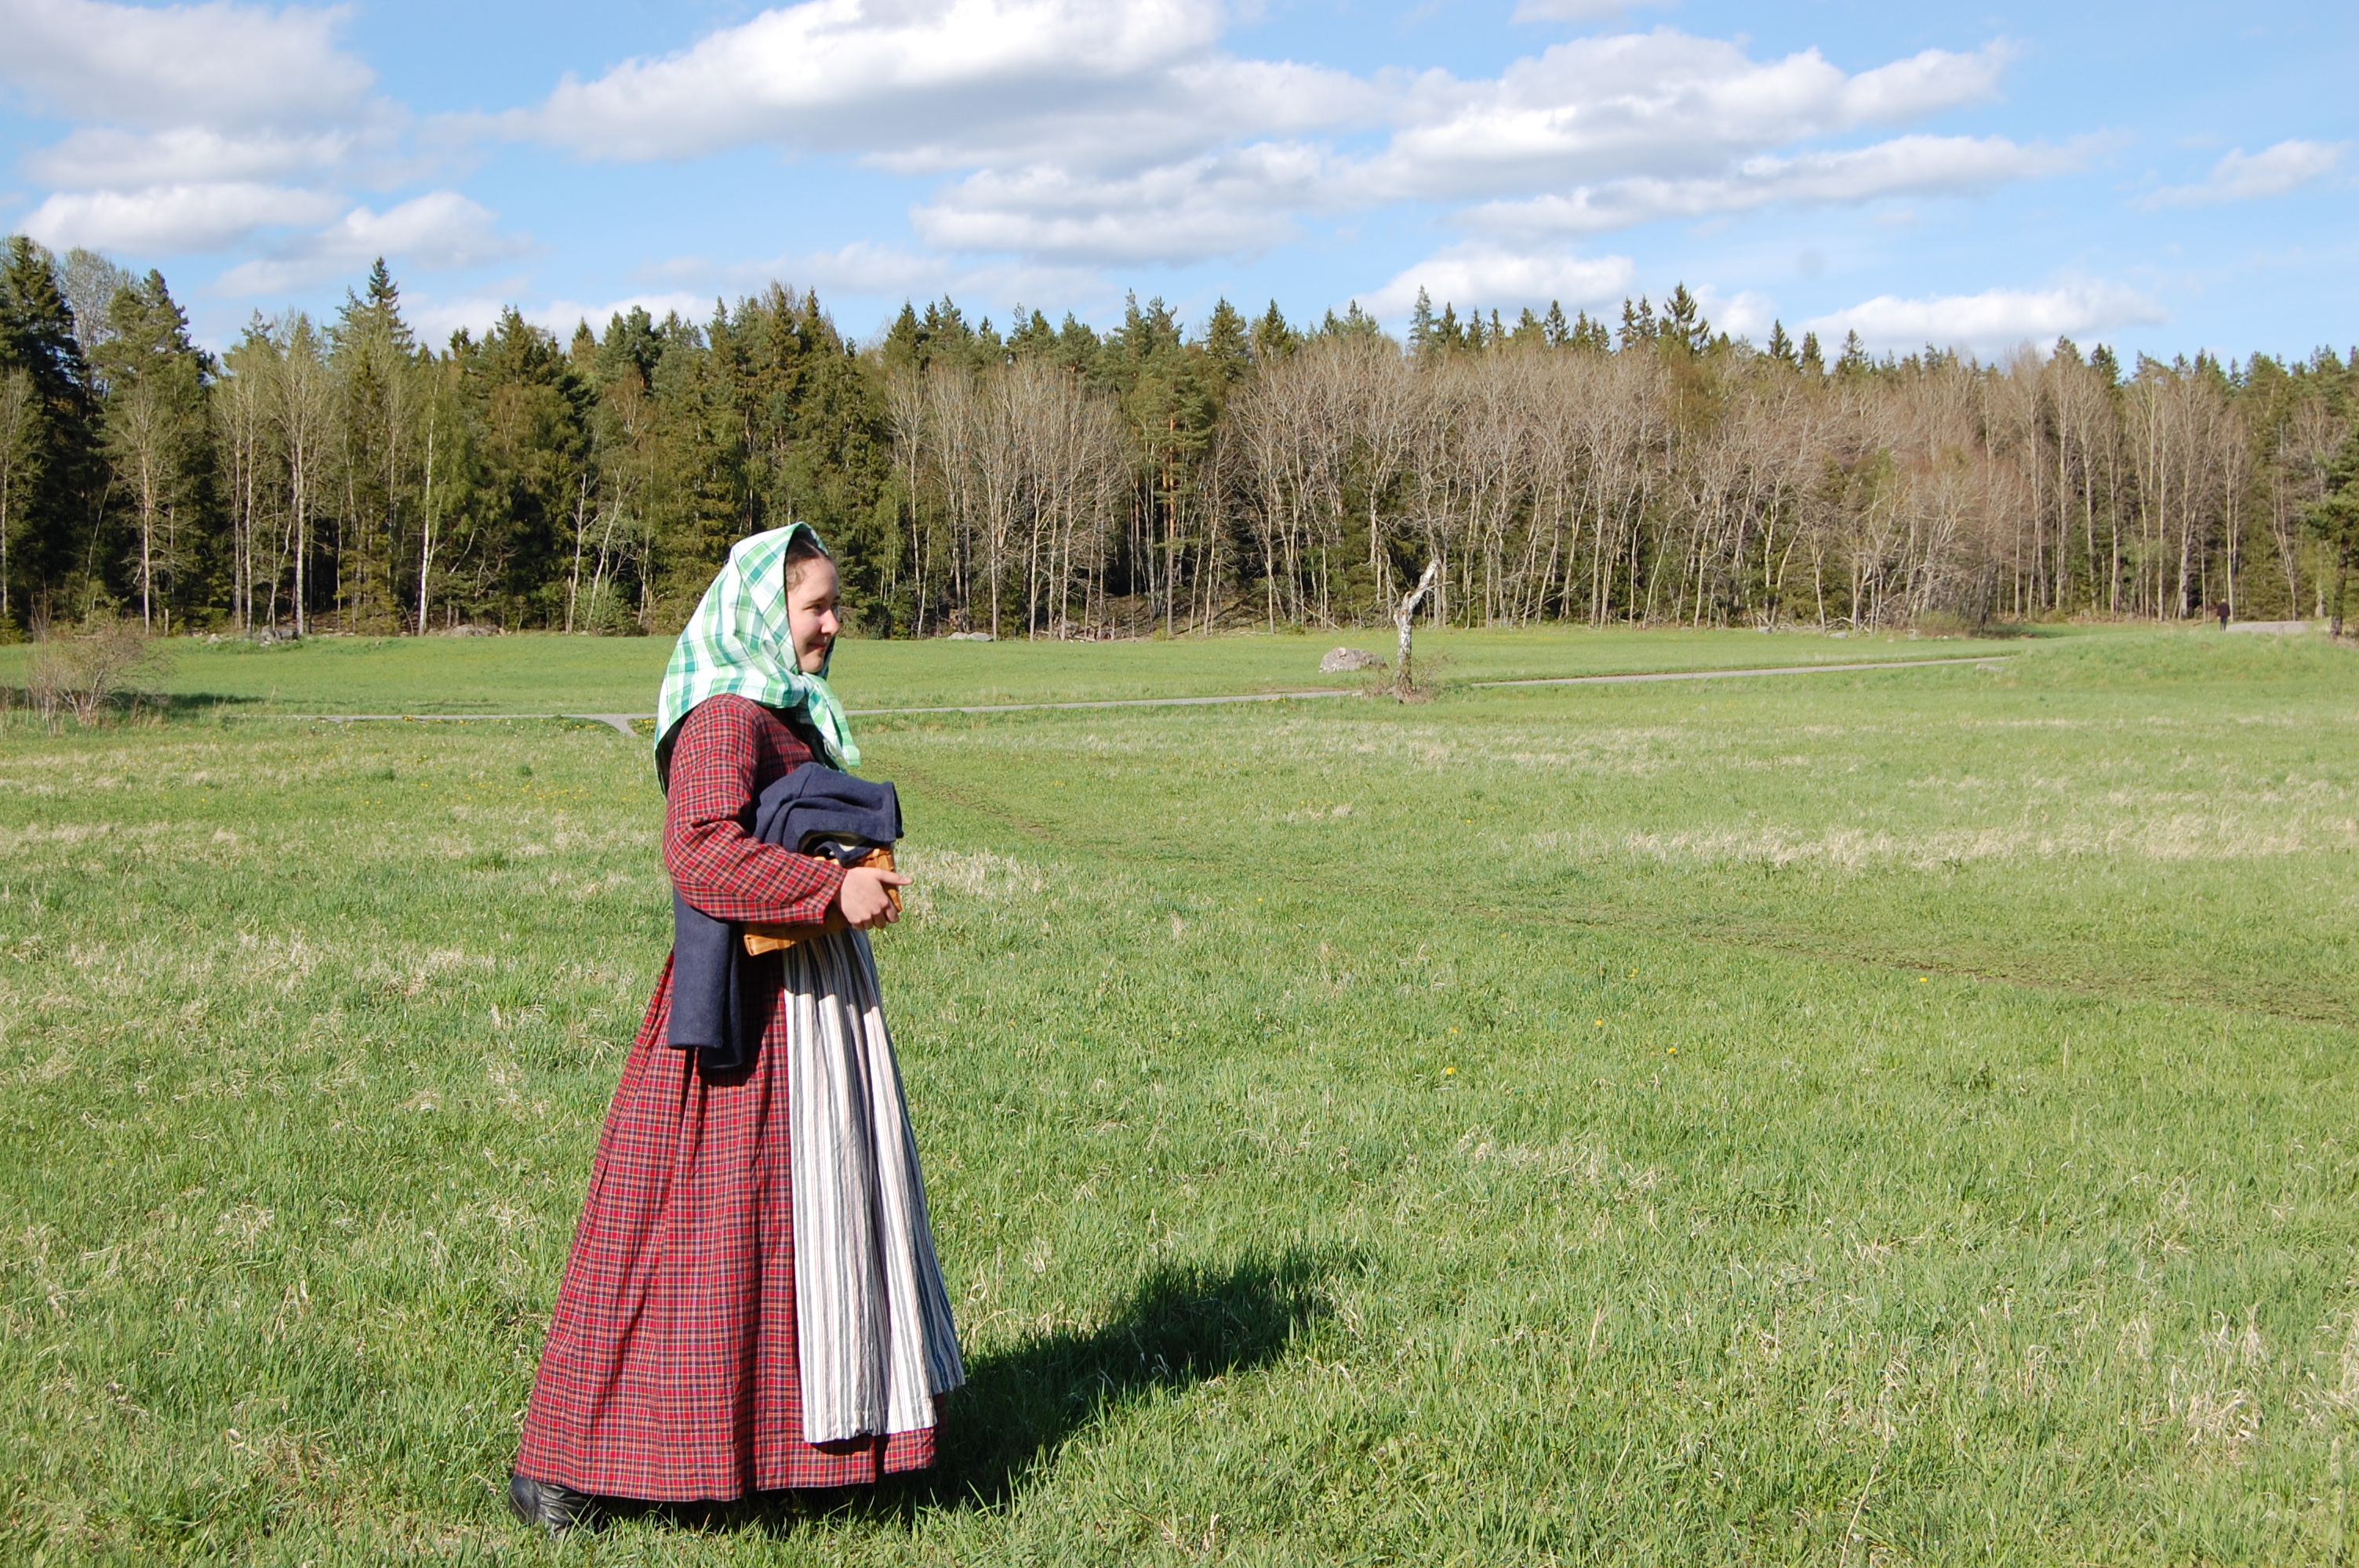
1343	660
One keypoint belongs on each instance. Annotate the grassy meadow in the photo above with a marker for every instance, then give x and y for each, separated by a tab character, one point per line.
1898	1117
619	675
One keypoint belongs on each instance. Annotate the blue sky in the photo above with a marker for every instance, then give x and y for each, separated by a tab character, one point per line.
2161	177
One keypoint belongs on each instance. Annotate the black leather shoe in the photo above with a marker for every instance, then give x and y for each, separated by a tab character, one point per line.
554	1507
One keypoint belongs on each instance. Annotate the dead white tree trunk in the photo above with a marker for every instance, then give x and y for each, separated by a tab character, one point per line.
1404	618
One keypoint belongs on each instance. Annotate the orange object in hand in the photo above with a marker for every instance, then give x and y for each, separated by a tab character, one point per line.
761	939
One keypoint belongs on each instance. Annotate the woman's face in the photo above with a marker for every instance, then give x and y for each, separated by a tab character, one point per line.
811	619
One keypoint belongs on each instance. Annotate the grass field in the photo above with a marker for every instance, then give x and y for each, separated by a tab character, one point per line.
1900	1117
619	675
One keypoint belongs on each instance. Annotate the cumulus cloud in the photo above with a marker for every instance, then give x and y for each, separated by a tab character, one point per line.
1745	314
217	64
1477	275
1222	204
197	127
941	84
106	157
172	217
1905	166
439	230
1994	318
1578	11
1664	104
1119	131
2239	176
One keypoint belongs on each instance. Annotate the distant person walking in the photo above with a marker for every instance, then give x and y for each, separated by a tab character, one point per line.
753	1301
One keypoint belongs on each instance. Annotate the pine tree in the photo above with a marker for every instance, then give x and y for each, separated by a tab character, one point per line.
1446	333
1421	323
1782	347
2333	519
1683	325
1559	332
1854	360
1812	360
904	344
1637	323
1227	345
1273	340
158	432
1354	323
1077	345
58	493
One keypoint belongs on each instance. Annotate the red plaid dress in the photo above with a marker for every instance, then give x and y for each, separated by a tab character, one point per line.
669	1373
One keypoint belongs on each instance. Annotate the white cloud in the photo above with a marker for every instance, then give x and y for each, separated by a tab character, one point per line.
1745	314
197	127
1482	276
1227	203
947	84
1661	103
438	231
1578	11
1994	318
2240	176
108	158
172	217
1905	166
1104	132
217	64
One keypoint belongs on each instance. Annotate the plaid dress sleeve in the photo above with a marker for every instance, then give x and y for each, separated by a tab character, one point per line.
729	750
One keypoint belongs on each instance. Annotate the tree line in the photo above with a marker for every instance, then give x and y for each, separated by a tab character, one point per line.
1059	482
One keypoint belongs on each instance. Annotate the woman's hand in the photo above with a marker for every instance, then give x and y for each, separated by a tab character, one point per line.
863	900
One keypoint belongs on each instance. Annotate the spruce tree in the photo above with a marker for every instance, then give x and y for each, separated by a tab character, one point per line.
1854	360
1033	335
1559	332
2333	519
1273	340
1637	323
157	436
57	494
1421	323
1683	324
1227	345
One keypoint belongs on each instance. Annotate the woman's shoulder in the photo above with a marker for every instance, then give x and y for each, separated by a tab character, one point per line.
741	719
730	708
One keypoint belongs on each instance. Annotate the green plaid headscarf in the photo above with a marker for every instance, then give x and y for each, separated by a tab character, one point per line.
738	641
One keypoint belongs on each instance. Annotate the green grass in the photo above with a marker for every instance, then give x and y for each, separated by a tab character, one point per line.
546	673
1900	1117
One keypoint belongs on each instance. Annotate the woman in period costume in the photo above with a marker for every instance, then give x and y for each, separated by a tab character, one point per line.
753	1301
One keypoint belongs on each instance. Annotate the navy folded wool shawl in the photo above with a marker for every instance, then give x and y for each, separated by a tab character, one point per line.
709	1011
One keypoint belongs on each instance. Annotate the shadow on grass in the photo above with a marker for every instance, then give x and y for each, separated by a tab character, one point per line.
1182	1325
